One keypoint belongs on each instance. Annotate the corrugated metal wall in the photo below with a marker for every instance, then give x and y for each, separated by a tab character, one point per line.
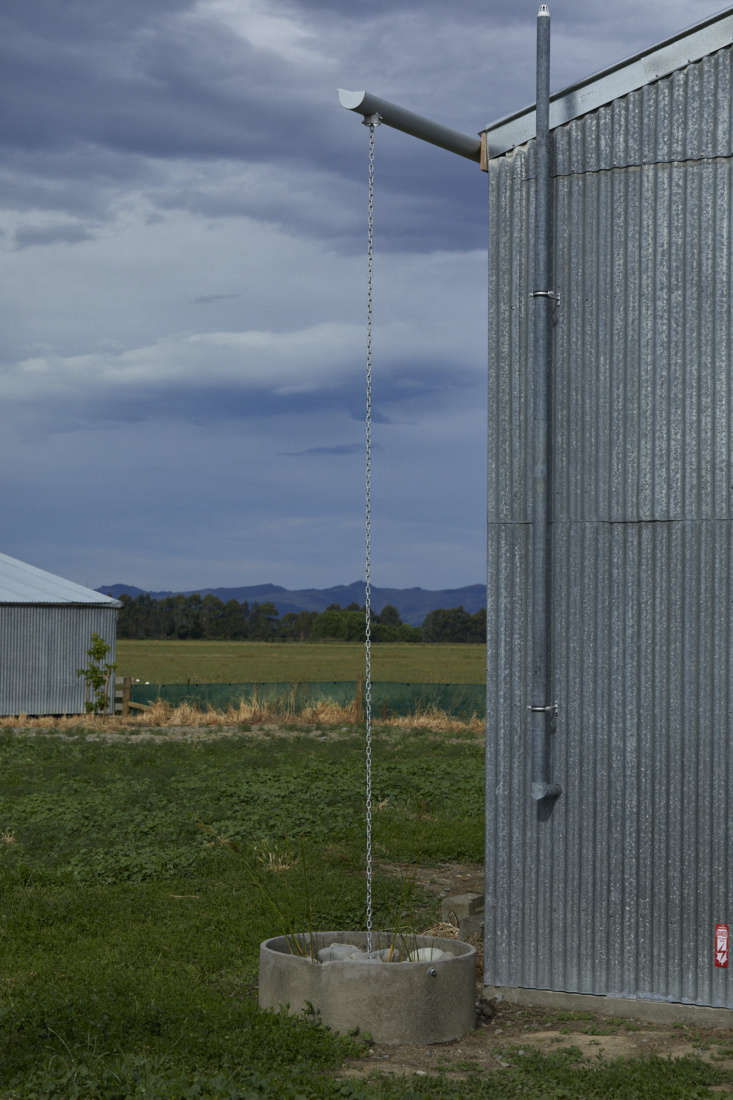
617	889
41	648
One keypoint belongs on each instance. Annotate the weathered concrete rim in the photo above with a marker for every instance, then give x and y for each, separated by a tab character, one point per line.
658	1012
426	1001
316	940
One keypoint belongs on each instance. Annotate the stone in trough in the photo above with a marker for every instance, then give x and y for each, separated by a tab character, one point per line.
428	954
339	952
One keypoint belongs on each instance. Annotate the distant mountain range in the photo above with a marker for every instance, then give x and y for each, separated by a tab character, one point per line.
413	604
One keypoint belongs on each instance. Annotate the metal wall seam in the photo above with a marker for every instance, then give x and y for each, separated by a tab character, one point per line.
682	117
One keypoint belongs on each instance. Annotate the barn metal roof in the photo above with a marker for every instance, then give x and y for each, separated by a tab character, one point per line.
25	584
658	61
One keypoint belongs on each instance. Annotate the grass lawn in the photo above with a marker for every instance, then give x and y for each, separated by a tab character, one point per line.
129	938
260	662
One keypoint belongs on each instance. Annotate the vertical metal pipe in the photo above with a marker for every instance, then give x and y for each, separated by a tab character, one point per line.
543	298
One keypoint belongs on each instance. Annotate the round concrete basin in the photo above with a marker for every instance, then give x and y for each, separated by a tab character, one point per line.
425	1001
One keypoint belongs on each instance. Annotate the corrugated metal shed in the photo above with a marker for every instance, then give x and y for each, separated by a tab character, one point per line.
616	888
46	624
23	583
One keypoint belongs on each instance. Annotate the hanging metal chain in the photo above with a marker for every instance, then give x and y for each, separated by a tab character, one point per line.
372	122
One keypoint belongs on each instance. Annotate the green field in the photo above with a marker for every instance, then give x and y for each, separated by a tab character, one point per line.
129	934
276	662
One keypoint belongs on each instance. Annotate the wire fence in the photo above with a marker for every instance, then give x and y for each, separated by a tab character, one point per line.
388	698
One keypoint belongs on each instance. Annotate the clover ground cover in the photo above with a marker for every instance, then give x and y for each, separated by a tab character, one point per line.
129	938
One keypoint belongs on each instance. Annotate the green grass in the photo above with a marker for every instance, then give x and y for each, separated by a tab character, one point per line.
129	941
260	662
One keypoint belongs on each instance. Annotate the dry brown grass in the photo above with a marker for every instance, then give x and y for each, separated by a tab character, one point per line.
443	929
254	713
447	930
438	721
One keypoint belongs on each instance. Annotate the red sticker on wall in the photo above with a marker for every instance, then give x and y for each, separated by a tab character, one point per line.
721	944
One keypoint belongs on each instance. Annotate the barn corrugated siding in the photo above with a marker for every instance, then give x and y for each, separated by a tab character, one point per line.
41	647
617	890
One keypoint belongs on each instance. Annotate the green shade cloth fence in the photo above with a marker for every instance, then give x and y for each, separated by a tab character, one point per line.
459	700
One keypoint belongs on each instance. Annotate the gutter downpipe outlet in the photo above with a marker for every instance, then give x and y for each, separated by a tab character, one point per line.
542	711
364	103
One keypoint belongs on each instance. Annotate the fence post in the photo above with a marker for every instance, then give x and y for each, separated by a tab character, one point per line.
123	695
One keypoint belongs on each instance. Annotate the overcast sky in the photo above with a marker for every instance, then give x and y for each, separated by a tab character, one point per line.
184	231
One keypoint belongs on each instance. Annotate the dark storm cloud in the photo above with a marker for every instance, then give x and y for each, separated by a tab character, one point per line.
500	14
110	90
82	181
157	105
108	87
413	390
104	95
443	213
137	78
28	235
132	78
337	449
203	147
405	391
207	299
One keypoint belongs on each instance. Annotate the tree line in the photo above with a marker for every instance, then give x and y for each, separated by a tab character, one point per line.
208	617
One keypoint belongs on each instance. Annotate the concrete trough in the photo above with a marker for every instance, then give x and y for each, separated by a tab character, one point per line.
428	1001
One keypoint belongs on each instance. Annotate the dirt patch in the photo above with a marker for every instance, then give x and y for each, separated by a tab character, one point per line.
506	1028
442	879
514	1030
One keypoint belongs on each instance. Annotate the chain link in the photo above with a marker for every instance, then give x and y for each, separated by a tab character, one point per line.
372	123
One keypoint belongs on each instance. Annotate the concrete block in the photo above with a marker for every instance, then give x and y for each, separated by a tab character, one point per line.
471	927
457	906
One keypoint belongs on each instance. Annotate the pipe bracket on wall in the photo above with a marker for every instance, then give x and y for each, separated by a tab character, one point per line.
545	790
551	708
550	296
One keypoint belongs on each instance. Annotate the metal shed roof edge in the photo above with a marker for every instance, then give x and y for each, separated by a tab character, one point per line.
625	76
21	583
113	604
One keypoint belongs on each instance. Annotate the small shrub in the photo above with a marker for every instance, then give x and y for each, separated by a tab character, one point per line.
97	675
